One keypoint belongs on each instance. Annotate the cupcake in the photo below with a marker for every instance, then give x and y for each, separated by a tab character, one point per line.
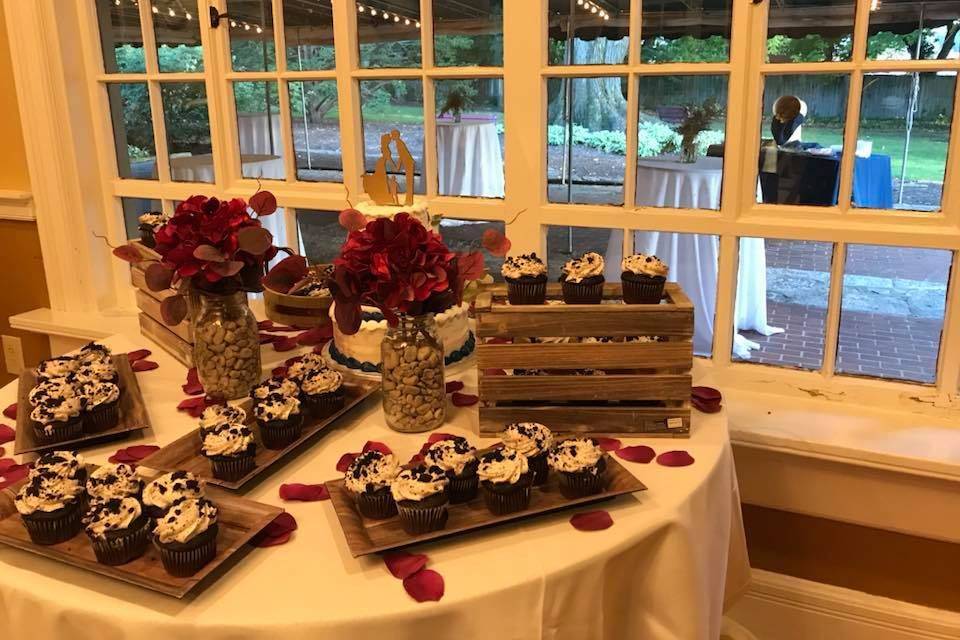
276	384
162	493
50	507
94	352
421	497
54	368
582	279
368	479
526	277
148	224
48	390
582	466
322	392
113	481
303	366
96	371
533	440
506	480
643	278
231	450
101	406
220	414
280	420
62	464
118	529
459	458
58	419
187	536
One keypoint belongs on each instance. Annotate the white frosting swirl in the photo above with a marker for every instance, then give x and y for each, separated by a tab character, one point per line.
96	371
321	381
282	386
54	410
309	362
528	264
94	352
371	471
528	438
641	264
47	492
59	367
167	489
54	388
114	481
453	454
185	521
574	455
502	465
63	464
95	394
115	514
276	407
419	483
219	414
227	440
587	266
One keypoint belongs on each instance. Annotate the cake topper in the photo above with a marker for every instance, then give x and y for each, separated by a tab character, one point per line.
382	187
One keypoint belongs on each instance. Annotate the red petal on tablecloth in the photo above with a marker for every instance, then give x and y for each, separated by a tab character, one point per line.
13	473
292	361
315	336
139	354
7	463
11	411
277	532
279	372
373	445
705	406
424	585
403	565
454	385
639	453
345	461
266	337
592	521
7	433
708	394
192	386
494	372
675	459
144	365
463	399
265	325
133	454
284	343
304	492
437	436
608	444
195	406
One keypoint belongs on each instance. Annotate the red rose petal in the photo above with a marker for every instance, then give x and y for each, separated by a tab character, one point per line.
424	585
608	444
304	492
592	521
284	344
315	336
282	328
12	474
706	393
292	361
345	461
454	385
464	399
494	372
706	406
675	459
11	411
195	406
2	451
280	372
265	325
283	523
403	565
193	389
437	436
133	454
271	541
318	349
7	463
7	433
144	365
373	445
193	375
139	354
415	459
266	337
639	453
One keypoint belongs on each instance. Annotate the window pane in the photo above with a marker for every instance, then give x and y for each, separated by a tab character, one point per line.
120	37
470	137
566	243
905	121
316	131
676	31
321	235
308	29
178	39
388	36
258	130
466	235
188	131
468	34
785	283
388	105
132	209
133	130
680	141
805	167
251	35
587	139
588	32
896	24
810	30
892	312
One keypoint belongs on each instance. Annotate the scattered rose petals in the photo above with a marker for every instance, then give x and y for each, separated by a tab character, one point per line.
195	406
284	343
304	492
424	585
282	328
705	406
403	565
608	444
277	532
265	325
292	361
7	433
7	463
11	411
139	354
373	445
494	372
266	337
675	459
144	365
12	473
591	521
279	372
415	459
315	336
454	385
437	436
708	394
463	399
134	454
193	386
345	461
639	453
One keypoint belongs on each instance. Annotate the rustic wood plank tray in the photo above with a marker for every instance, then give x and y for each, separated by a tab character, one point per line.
133	413
184	453
240	519
365	536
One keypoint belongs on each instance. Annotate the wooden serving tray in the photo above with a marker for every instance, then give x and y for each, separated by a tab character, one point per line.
184	453
133	412
365	536
240	519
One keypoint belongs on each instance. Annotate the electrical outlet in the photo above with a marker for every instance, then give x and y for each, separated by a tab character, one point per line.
13	354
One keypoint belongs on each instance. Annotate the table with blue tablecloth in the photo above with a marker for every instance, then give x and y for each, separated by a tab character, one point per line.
809	178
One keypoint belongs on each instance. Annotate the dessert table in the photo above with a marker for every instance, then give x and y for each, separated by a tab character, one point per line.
665	182
469	158
666	569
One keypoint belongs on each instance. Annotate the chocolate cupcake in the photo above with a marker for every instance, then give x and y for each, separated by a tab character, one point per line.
168	489
148	224
101	406
94	352
51	390
231	450
322	392
280	420
422	498
50	507
582	466
63	464
306	364
96	371
582	279
187	536
506	480
112	481
526	278
276	384
55	368
118	529
368	480
459	458
643	278
220	414
534	441
58	419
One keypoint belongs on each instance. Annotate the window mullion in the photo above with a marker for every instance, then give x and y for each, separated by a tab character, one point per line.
948	366
744	87
950	198
633	125
831	328
723	328
348	95
220	104
852	126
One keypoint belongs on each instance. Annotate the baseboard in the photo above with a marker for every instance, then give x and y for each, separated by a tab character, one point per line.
779	607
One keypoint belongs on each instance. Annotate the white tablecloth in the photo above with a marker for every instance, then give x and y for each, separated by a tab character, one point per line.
469	159
660	573
665	182
260	135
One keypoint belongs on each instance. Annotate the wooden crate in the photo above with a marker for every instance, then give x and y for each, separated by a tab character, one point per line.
177	340
646	389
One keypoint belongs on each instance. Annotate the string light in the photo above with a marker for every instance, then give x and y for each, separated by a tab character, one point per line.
388	16
594	8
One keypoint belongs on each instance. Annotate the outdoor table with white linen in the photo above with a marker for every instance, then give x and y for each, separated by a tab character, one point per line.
665	182
664	570
469	158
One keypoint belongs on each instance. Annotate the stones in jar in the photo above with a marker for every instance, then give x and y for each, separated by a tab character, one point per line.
413	387
227	357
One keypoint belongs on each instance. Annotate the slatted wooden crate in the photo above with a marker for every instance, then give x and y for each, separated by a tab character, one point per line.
646	386
178	340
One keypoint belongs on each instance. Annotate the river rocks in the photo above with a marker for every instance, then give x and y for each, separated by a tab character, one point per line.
414	397
227	355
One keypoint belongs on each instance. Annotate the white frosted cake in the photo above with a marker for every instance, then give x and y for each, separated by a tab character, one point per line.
418	209
361	351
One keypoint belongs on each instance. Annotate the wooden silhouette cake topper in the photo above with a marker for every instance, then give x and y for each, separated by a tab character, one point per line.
382	187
